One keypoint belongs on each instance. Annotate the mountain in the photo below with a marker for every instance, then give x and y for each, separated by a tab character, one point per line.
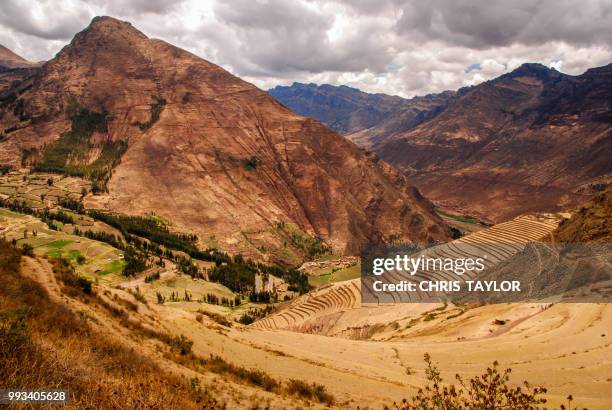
365	118
13	68
9	59
415	111
590	223
531	140
160	130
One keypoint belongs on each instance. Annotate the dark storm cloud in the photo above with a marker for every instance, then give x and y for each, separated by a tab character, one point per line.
501	22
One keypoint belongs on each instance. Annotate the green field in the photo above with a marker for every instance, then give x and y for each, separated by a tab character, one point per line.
102	262
457	217
328	275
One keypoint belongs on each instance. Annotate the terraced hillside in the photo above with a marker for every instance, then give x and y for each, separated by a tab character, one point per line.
326	310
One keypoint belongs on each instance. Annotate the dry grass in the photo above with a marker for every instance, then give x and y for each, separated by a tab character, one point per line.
44	344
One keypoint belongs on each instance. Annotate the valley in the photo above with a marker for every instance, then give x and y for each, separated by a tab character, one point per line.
376	358
373	352
172	236
531	140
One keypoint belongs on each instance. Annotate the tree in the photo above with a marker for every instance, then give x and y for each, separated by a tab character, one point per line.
27	249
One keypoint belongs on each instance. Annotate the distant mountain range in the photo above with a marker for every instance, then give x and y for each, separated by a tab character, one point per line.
534	139
158	129
367	118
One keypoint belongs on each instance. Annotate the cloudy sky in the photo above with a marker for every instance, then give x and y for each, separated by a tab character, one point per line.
404	47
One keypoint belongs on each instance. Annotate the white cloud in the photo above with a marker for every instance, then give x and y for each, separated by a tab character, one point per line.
393	46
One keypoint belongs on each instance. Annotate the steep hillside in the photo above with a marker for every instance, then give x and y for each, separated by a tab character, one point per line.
9	59
181	137
343	109
591	223
13	68
531	140
365	118
414	112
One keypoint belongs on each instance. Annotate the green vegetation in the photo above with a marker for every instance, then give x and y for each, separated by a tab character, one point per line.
311	247
157	105
114	267
213	299
134	262
457	217
112	240
251	163
253	314
236	273
69	154
60	216
26	154
145	236
73	145
72	204
59	243
148	228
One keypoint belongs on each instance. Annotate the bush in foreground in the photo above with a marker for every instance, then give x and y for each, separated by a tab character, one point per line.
491	390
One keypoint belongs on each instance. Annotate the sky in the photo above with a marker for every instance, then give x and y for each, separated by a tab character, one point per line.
400	47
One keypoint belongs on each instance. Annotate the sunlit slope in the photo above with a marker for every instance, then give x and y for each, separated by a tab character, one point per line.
321	311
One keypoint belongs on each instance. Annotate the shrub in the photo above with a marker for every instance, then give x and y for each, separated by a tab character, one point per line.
27	249
307	391
255	377
74	284
491	390
216	317
182	344
152	277
251	163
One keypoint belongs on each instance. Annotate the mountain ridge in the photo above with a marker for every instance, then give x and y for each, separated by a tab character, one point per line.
533	131
181	137
365	118
9	59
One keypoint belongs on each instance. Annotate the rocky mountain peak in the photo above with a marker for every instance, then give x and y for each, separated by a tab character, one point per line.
535	70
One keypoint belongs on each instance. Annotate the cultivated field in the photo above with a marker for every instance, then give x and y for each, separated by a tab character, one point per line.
324	310
102	263
39	190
